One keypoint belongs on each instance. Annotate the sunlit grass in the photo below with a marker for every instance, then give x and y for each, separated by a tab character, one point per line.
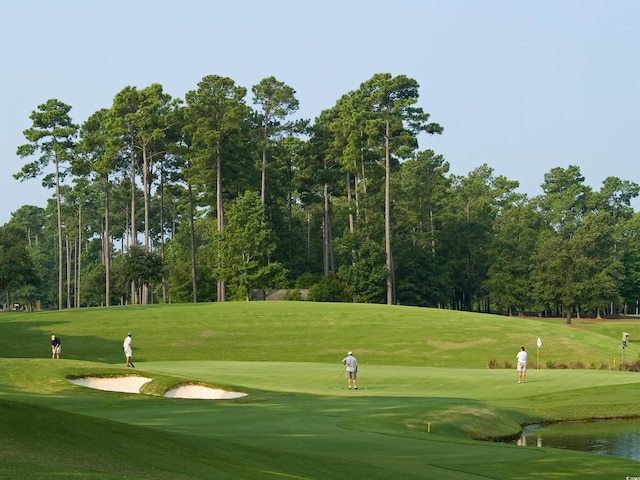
425	393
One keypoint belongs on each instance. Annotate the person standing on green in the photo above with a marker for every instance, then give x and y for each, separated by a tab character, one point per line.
55	347
522	365
128	351
352	369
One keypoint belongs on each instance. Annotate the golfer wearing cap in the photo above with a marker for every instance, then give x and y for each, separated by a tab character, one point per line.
127	350
352	369
55	347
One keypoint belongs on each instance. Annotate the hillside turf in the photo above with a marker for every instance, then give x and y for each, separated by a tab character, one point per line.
426	406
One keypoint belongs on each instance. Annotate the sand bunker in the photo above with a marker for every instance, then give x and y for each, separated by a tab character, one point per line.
132	384
201	392
128	384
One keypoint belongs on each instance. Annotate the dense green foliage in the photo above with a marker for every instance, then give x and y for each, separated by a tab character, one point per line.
16	266
349	201
420	369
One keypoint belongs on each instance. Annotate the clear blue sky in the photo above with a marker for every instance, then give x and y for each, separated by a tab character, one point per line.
524	86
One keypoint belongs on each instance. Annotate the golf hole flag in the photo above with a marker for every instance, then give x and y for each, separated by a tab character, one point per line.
539	342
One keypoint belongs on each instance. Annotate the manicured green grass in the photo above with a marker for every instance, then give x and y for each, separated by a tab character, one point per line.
425	395
311	332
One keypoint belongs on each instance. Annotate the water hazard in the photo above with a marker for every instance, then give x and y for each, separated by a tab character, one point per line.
620	438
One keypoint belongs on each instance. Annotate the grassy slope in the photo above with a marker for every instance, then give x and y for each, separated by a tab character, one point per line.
286	355
310	332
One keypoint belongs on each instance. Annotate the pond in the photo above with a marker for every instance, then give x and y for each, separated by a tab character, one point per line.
620	438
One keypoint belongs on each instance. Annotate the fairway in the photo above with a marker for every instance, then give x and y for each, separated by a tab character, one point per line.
412	416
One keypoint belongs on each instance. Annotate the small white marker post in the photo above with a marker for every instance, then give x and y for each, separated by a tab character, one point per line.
539	343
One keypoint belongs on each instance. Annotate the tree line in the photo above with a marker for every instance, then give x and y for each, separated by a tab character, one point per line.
210	198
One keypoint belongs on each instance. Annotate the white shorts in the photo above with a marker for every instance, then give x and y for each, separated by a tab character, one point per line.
522	366
57	349
127	351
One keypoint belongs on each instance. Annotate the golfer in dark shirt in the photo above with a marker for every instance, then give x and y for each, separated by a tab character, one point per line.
55	347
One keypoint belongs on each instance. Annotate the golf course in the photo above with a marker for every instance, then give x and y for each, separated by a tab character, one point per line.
437	389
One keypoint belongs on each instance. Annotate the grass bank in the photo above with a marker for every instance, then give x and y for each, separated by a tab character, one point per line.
426	396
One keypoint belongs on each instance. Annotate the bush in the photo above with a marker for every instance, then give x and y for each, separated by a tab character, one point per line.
328	289
293	294
493	363
306	280
630	367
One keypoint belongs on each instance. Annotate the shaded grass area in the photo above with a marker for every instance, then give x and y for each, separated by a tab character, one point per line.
298	421
38	442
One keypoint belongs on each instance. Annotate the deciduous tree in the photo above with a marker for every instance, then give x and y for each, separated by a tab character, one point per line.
16	267
244	248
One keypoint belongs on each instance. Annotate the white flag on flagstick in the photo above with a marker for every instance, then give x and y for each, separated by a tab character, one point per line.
539	342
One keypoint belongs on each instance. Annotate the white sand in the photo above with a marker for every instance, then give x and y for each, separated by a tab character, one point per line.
201	392
127	384
132	384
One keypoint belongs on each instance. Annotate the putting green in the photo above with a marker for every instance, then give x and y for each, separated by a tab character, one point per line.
402	420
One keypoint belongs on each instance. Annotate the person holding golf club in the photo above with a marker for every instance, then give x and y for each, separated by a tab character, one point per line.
352	369
128	351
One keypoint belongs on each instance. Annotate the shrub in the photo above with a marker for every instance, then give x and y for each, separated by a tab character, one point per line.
306	280
493	363
630	367
634	366
328	289
293	294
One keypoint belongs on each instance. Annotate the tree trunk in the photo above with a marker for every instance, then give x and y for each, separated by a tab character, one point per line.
106	250
59	212
79	254
364	191
146	192
349	202
132	237
220	213
387	216
192	235
432	228
164	279
68	258
328	259
263	182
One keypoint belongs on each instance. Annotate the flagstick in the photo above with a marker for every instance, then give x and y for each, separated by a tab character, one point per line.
539	343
